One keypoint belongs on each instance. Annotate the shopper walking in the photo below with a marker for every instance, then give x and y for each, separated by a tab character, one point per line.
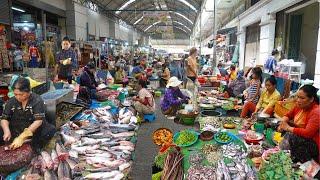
271	63
66	62
18	62
192	65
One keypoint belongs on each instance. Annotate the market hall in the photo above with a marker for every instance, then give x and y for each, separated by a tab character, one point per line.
166	89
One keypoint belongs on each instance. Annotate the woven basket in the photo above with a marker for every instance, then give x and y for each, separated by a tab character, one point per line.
282	108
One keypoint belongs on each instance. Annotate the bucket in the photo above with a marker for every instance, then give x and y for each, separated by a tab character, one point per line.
206	113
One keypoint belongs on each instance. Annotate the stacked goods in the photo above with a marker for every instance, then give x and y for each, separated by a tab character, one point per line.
173	166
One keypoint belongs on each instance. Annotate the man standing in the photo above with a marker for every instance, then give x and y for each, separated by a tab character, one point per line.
66	62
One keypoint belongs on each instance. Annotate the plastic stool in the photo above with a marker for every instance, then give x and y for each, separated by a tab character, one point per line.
149	117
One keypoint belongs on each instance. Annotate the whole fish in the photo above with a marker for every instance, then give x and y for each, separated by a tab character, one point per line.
124	166
126	143
89	141
68	139
73	154
36	162
124	134
129	148
104	154
118	177
54	157
64	171
102	169
94	151
128	127
110	144
102	175
98	160
83	149
61	152
49	175
47	159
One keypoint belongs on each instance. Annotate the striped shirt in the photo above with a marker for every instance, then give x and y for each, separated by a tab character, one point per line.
254	84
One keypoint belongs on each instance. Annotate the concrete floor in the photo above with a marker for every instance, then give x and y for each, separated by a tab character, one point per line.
146	150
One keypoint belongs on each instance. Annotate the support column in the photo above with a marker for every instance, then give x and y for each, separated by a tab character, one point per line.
317	72
267	33
241	35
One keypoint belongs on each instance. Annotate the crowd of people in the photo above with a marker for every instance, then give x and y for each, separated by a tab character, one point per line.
259	97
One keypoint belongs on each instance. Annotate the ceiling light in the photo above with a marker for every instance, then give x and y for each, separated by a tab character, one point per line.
18	9
152	25
124	6
137	21
184	17
188	4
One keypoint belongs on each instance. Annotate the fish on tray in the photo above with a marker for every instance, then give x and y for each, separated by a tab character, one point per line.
47	160
83	149
61	152
55	159
68	139
105	175
124	134
50	175
64	171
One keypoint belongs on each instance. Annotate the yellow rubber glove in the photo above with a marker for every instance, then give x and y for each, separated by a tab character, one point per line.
18	141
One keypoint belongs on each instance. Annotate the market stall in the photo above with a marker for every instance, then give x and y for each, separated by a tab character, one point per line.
221	145
93	143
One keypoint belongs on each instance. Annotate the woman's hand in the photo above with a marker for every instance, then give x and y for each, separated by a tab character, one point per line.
6	136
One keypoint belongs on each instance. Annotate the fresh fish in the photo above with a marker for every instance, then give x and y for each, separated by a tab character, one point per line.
43	163
54	157
129	148
98	160
64	171
102	175
126	143
124	166
47	159
74	154
110	144
49	175
61	152
118	177
104	154
80	132
124	134
83	149
94	151
89	141
68	139
102	169
75	166
128	127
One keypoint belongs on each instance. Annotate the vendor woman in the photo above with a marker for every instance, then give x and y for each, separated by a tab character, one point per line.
87	79
173	97
24	118
303	124
268	97
144	103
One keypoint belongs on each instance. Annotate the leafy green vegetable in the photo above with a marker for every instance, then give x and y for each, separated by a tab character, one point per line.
278	167
185	137
157	176
161	157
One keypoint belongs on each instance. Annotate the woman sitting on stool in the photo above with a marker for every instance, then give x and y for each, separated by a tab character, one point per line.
144	103
173	97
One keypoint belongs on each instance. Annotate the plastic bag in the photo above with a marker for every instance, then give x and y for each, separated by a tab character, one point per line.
284	144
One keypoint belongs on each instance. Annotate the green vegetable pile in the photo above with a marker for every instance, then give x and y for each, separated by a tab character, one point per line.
157	176
278	167
223	137
161	157
185	137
